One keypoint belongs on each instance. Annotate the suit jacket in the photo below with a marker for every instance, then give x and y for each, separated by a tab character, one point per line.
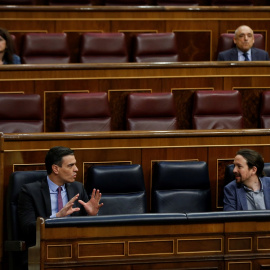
34	201
235	195
232	55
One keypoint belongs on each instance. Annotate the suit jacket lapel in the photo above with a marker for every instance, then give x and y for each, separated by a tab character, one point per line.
234	55
266	192
254	55
46	196
242	198
70	191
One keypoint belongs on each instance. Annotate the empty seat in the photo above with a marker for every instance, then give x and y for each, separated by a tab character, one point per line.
70	2
225	42
45	48
232	2
125	2
151	111
103	48
85	112
21	113
180	187
16	248
155	47
122	188
265	109
177	2
217	110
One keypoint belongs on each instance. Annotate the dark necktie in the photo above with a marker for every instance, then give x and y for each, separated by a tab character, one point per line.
59	199
246	56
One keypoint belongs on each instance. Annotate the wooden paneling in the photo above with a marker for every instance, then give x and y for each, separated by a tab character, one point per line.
197	28
182	79
172	245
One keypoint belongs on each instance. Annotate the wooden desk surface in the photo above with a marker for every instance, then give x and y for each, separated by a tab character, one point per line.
172	245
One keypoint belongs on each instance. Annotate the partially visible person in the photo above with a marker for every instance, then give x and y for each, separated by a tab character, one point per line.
41	198
7	51
251	188
244	50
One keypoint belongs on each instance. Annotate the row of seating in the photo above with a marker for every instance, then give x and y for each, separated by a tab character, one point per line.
177	187
21	113
52	48
130	2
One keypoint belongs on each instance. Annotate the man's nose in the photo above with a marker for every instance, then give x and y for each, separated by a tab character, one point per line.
76	168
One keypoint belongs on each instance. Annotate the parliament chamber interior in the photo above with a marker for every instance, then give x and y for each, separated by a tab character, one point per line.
134	88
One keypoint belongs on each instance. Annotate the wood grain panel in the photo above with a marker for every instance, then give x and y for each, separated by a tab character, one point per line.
101	249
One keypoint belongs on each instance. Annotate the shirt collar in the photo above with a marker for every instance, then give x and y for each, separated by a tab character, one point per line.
53	186
240	54
248	189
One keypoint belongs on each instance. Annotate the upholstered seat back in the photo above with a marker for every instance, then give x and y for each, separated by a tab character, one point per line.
225	42
16	181
217	110
265	110
103	48
21	113
155	47
180	187
151	112
122	188
13	244
45	48
85	112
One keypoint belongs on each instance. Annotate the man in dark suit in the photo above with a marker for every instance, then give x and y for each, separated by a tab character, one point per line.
251	188
58	195
243	51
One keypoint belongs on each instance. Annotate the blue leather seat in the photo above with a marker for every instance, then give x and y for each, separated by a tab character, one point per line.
17	252
180	187
122	188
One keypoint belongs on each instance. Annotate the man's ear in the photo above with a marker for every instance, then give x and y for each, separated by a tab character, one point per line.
254	170
234	41
55	168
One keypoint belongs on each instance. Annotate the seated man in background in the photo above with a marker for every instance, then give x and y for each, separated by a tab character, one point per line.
58	195
251	189
243	51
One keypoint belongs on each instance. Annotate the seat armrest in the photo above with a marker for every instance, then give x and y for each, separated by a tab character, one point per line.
15	245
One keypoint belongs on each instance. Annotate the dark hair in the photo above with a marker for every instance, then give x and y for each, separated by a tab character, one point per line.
9	51
55	155
253	158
